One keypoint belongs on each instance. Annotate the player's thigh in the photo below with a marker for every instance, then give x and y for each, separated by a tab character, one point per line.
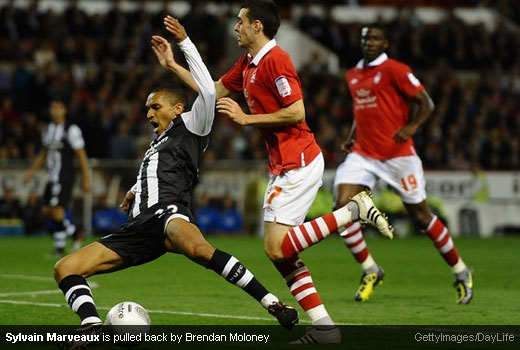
184	237
406	176
289	196
90	260
355	174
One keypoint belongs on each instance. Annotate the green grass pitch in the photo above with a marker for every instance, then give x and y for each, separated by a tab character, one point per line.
417	290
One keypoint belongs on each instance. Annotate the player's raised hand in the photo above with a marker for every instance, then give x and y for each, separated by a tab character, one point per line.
126	204
230	108
163	50
404	133
175	28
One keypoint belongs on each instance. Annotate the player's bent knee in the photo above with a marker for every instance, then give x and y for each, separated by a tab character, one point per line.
274	254
67	266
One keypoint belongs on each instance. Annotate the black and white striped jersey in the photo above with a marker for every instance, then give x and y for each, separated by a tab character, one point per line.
61	142
170	167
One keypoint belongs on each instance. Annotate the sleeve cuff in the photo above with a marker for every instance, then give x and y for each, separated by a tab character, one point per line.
185	43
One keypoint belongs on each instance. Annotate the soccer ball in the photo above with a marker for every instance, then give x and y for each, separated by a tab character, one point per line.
128	321
128	313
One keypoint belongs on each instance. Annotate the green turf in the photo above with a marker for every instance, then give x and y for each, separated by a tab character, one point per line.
418	286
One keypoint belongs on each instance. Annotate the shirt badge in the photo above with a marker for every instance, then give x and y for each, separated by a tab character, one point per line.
377	78
283	86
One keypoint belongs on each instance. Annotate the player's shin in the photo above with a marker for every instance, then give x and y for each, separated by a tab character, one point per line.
309	233
441	238
355	242
299	281
234	272
79	297
59	234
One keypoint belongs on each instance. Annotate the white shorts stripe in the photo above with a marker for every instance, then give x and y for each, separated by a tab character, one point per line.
296	273
304	293
248	276
229	266
442	235
354	238
358	248
72	289
82	299
301	282
447	247
310	231
299	235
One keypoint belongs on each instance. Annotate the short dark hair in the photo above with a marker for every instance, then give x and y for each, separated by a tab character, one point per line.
378	26
266	12
174	93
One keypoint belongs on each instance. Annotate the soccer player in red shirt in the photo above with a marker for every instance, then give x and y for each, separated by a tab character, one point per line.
266	76
382	91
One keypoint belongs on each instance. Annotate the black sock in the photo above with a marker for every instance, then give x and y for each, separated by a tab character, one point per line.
234	272
60	236
79	297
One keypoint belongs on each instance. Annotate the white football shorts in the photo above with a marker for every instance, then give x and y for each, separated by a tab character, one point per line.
404	174
289	197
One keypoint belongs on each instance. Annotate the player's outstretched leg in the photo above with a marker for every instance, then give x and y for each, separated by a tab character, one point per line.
70	273
235	273
185	237
373	275
442	240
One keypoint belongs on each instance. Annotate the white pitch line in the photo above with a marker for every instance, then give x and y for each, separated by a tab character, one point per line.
239	317
34	292
27	277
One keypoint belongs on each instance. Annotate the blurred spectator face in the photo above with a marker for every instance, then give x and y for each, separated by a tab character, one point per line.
57	111
373	43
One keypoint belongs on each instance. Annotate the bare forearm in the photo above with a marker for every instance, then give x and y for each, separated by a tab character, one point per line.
425	107
83	164
292	114
185	76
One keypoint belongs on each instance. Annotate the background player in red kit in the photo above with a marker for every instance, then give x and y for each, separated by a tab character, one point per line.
382	90
267	78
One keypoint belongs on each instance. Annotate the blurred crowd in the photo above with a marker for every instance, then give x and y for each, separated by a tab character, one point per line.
102	64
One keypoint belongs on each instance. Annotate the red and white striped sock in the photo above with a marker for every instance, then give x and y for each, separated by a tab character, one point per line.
355	242
299	281
309	233
442	240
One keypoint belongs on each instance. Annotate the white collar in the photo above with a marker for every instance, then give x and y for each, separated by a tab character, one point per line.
263	51
378	61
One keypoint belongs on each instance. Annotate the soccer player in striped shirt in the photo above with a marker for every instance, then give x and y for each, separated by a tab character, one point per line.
382	90
159	204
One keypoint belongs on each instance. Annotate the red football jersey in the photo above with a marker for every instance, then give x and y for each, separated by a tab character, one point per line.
381	95
269	82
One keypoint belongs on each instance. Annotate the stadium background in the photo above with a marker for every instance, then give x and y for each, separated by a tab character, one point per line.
96	54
